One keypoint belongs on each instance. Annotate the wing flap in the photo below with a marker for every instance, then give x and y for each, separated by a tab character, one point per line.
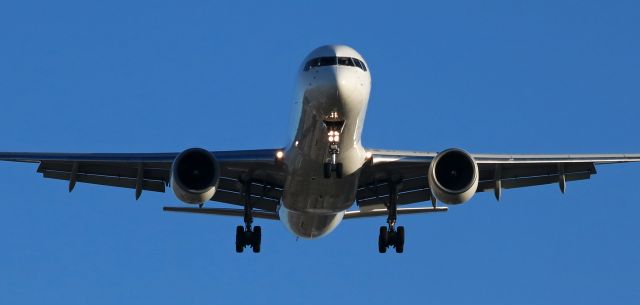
151	171
519	170
258	188
376	189
222	212
408	197
237	198
147	185
384	212
532	181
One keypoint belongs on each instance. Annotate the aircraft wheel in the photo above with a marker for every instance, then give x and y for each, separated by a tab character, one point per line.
239	239
383	239
339	170
256	239
399	242
327	170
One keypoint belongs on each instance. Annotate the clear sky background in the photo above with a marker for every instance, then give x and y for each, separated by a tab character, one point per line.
488	76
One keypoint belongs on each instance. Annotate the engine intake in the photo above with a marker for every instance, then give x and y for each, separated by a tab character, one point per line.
194	175
453	176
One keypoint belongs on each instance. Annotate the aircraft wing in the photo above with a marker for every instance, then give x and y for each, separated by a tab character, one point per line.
152	172
496	172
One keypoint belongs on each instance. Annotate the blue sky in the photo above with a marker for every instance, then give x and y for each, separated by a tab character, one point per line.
487	76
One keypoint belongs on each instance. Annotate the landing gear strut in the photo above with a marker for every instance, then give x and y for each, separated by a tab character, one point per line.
246	236
334	125
389	235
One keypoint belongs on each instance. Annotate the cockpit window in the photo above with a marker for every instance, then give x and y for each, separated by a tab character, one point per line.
332	61
327	61
312	63
345	61
357	63
360	64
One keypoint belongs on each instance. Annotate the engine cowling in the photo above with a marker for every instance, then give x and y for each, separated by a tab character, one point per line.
194	175
453	176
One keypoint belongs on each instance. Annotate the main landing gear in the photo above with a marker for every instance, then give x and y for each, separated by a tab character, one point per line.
334	125
389	235
245	235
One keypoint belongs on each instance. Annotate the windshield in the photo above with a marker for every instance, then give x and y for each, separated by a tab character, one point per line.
332	61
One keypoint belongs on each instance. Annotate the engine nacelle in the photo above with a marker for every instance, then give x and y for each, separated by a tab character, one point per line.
453	176
194	175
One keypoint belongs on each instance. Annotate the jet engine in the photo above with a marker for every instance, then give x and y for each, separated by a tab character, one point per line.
194	175
453	176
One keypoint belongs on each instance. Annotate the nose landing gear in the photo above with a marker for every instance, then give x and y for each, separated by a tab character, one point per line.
330	167
334	125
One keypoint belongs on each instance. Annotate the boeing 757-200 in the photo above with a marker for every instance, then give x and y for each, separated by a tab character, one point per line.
311	184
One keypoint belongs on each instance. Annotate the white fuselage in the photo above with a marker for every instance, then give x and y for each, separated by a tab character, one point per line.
313	205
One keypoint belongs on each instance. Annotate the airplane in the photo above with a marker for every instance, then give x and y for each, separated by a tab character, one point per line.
313	182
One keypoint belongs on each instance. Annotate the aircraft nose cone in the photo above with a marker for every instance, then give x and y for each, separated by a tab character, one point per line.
337	87
351	88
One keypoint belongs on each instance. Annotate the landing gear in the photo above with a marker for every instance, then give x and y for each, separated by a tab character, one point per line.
245	235
389	235
334	125
248	237
330	168
391	238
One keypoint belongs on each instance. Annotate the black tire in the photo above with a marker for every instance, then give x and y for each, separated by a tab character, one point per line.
383	240
257	239
239	239
338	170
400	240
327	170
